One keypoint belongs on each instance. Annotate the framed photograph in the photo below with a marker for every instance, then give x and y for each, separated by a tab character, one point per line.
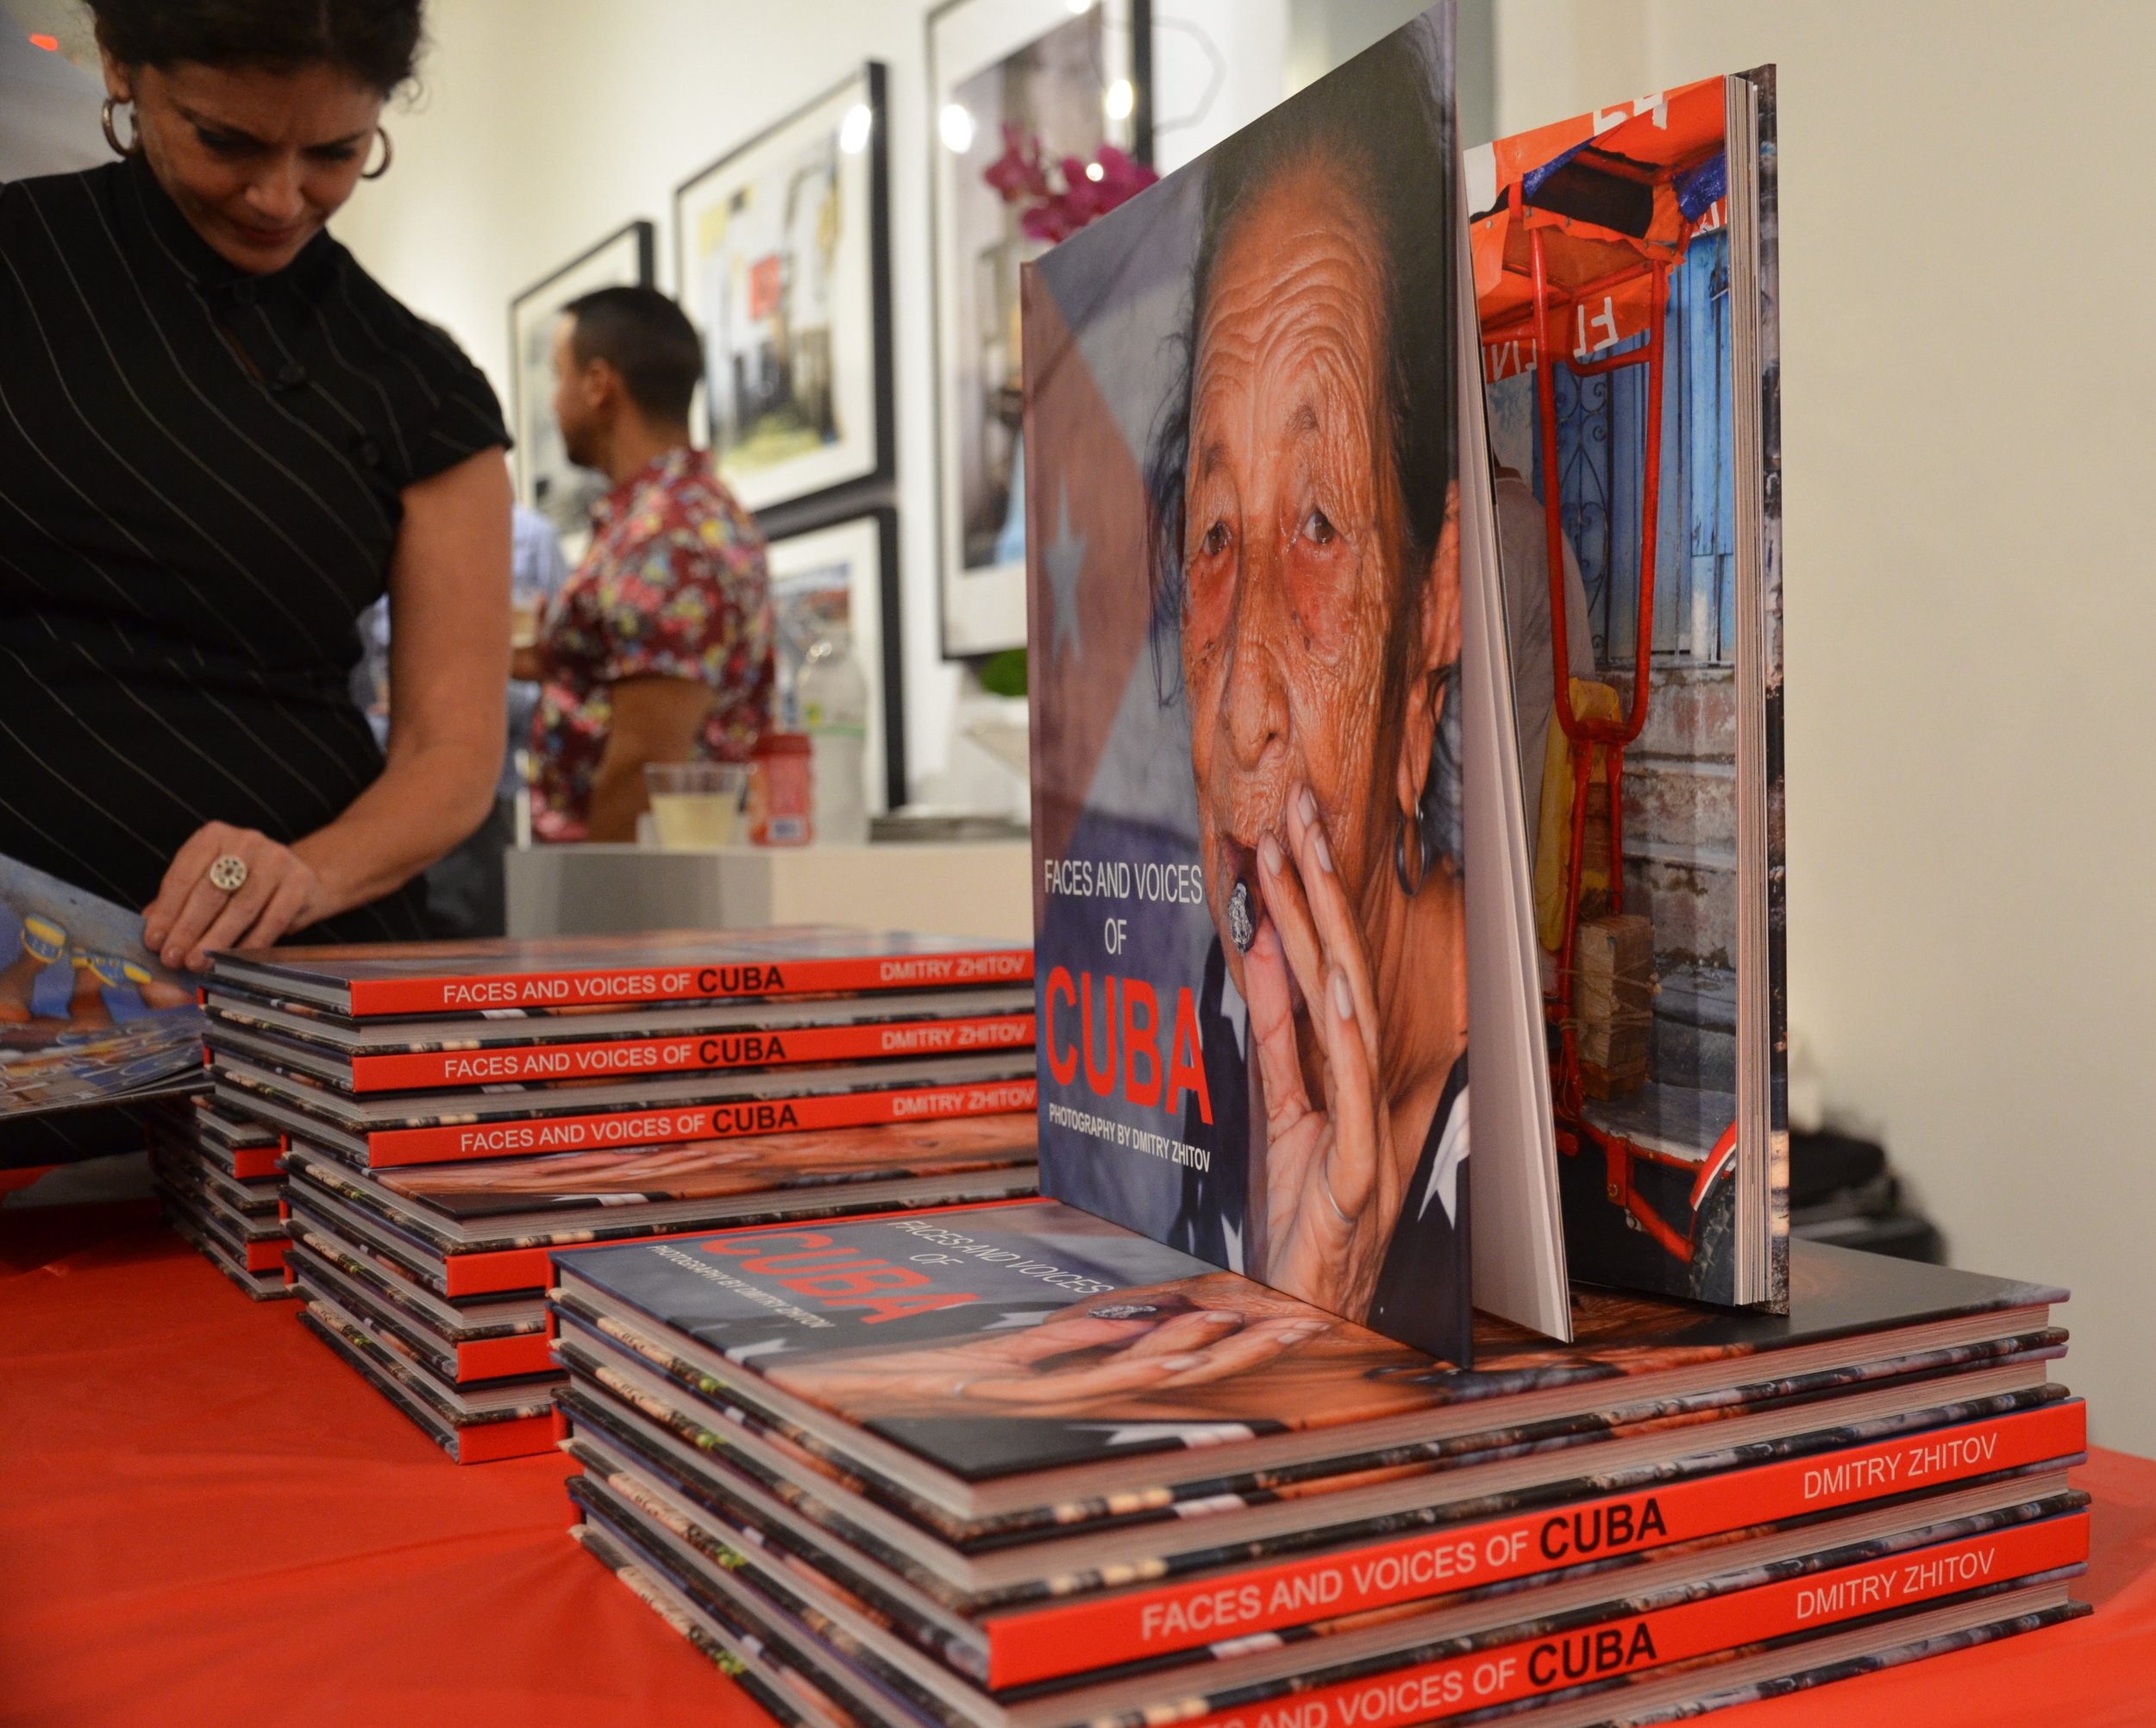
847	572
1067	78
547	480
784	249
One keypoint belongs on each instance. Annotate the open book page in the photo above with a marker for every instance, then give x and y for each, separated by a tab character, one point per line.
1620	373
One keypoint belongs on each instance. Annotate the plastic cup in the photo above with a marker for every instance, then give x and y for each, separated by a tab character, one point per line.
696	806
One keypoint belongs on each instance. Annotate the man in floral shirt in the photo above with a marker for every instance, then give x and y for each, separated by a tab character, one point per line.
659	649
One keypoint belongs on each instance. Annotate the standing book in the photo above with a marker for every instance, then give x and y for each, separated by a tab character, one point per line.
1287	862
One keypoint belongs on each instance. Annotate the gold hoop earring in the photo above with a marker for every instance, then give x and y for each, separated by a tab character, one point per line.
388	156
112	133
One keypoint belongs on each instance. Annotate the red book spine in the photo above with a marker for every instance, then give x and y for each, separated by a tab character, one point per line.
611	1058
253	1163
627	986
1505	1673
492	1358
390	1148
498	1270
1044	1643
521	1436
264	1256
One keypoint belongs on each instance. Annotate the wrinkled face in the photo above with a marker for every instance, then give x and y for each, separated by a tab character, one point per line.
1292	528
572	405
257	161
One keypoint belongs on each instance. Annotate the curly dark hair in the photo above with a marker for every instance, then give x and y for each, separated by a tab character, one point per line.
1378	124
377	42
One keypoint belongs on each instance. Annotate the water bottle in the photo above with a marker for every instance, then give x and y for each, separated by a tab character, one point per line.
832	695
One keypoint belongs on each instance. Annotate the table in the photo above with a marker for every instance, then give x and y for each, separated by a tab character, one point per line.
205	1518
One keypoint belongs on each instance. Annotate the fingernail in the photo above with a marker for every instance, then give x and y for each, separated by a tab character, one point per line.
1343	997
172	956
1308	807
152	936
1268	856
1219	1314
1177	1364
1324	853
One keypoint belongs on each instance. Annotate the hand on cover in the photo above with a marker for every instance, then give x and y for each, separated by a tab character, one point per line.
191	915
1122	1356
1332	1180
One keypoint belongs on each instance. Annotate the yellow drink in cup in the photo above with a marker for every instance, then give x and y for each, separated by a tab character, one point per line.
696	806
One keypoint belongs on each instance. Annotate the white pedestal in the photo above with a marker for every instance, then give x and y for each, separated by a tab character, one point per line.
977	889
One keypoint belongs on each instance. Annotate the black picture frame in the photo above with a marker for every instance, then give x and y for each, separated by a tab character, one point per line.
546	481
815	486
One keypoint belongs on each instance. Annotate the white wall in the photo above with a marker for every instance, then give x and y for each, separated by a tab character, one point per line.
544	124
1971	622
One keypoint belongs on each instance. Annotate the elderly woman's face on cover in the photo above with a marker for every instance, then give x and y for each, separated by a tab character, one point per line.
1292	529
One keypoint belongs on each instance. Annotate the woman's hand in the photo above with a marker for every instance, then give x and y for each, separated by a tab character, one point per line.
1332	1183
191	915
1116	1356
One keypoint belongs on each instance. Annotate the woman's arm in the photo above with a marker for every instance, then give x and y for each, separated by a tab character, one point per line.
448	671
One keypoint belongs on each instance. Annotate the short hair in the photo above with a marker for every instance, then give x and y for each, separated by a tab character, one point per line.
1378	121
649	339
376	41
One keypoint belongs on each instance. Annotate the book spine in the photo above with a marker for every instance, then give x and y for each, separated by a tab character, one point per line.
1045	1642
264	1256
635	985
497	1358
614	1058
253	1163
1609	1649
392	1148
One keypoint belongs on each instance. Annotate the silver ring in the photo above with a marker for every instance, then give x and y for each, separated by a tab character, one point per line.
229	872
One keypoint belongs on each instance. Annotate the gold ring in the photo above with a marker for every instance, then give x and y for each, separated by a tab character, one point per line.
229	872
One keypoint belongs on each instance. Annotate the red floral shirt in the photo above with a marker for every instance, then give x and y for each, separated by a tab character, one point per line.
673	586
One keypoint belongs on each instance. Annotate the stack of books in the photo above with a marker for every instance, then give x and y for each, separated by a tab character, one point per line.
216	1179
452	1112
1015	1466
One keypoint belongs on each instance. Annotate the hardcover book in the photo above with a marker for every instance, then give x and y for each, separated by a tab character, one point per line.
1593	1629
88	1015
384	1132
1293	860
518	1047
1149	1604
563	973
1001	1359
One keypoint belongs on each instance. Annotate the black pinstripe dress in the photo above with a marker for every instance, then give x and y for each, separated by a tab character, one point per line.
200	480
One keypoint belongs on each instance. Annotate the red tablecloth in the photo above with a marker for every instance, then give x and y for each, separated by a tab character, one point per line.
204	1517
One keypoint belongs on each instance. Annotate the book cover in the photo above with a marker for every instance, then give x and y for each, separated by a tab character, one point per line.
374	979
1243	410
996	1341
88	1015
1626	267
